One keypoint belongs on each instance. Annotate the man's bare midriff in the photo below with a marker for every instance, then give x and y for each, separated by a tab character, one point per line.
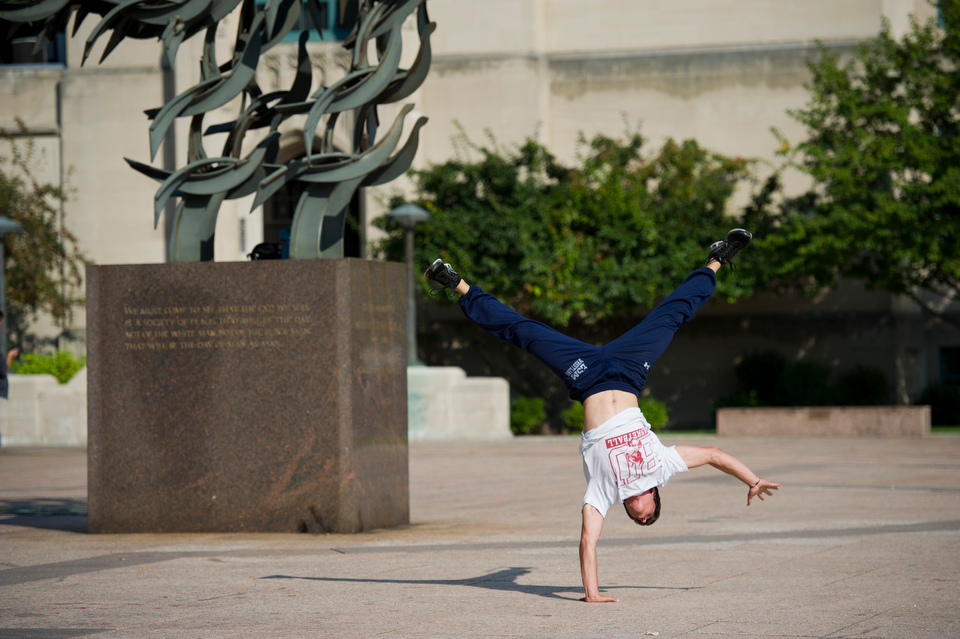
604	405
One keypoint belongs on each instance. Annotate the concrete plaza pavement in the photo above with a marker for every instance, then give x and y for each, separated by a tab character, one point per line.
863	540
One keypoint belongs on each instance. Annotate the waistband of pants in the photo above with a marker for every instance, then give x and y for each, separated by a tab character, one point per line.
608	385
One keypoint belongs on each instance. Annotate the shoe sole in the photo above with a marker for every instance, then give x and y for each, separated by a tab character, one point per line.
737	238
431	269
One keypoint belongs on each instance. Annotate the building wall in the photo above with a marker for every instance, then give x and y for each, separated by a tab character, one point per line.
722	72
30	97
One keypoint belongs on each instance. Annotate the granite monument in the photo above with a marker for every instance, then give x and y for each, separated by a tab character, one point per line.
267	396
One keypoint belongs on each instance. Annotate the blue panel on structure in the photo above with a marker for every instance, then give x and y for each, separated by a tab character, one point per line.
326	17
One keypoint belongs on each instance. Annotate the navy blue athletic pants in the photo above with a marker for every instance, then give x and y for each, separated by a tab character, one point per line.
585	369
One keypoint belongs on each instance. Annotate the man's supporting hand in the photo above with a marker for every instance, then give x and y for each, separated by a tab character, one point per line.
600	599
762	488
589	534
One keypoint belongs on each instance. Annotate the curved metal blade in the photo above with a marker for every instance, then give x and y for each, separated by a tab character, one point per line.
239	77
289	16
365	162
35	12
176	179
318	202
395	18
403	87
193	229
399	163
150	171
300	89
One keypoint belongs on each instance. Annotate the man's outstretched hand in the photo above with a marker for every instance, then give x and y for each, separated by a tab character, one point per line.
600	599
762	488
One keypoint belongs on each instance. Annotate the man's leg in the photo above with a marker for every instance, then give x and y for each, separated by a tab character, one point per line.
557	351
639	348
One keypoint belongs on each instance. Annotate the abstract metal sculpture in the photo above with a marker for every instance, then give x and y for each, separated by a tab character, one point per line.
331	178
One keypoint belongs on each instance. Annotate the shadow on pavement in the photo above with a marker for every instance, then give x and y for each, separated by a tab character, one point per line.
505	580
69	515
49	633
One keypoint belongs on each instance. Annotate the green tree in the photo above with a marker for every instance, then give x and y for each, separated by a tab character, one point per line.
607	237
883	150
42	263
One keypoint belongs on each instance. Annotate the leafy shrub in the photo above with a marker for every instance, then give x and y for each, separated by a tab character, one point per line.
863	386
944	402
527	415
607	235
573	417
63	365
758	373
768	379
804	384
741	399
655	411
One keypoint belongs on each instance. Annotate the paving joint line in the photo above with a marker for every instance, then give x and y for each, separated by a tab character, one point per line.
57	570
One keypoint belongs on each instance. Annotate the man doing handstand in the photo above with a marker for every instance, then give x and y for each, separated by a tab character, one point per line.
623	461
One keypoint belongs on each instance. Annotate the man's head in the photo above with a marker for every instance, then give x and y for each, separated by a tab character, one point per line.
644	508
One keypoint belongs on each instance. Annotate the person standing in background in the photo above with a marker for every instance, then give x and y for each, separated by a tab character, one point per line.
5	366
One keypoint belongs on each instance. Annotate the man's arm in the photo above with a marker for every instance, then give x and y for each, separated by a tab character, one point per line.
694	456
589	534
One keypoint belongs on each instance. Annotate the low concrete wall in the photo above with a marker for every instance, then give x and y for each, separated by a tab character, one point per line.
42	412
825	421
444	404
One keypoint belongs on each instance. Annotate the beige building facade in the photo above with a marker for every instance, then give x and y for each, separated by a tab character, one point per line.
721	71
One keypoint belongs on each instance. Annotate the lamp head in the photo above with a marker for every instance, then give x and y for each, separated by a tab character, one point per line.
408	215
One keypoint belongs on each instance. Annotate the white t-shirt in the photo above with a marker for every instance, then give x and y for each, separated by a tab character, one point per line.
623	458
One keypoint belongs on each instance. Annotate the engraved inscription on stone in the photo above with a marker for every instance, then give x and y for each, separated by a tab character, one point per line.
231	326
378	331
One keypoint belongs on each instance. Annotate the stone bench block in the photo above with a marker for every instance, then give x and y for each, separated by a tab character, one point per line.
445	404
42	412
825	421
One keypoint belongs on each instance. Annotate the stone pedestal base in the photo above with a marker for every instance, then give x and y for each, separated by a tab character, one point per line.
262	396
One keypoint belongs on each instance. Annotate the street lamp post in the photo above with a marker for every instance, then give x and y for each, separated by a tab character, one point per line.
408	216
6	226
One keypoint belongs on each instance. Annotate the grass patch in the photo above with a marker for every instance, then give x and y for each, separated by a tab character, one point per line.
944	429
711	431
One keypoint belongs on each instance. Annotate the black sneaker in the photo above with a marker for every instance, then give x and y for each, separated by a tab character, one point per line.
442	274
724	250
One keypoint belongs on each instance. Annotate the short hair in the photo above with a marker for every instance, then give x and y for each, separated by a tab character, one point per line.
652	518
